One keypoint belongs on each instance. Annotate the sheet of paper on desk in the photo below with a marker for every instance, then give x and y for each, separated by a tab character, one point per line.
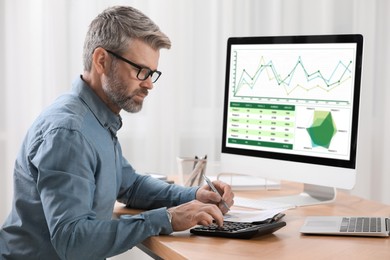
246	182
252	215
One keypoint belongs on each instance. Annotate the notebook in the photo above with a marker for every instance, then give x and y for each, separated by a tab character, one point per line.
346	225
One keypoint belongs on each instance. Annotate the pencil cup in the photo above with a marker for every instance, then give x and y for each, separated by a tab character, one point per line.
190	170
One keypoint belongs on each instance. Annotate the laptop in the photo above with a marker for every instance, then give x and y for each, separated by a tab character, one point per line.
346	225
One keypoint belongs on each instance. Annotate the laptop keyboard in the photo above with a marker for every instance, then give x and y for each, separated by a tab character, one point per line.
361	224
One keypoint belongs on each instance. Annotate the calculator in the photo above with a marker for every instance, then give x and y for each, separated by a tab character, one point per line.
232	229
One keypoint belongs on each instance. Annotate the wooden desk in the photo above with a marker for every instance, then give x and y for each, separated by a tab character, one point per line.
286	243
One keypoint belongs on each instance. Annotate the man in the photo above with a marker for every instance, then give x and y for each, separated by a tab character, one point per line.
70	169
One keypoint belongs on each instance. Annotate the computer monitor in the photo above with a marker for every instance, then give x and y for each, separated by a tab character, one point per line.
291	111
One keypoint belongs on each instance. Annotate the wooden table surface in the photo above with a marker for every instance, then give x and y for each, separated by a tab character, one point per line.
286	243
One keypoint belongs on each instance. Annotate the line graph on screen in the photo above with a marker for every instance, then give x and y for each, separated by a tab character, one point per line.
264	74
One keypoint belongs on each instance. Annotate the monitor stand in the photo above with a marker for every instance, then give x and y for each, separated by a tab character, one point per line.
311	195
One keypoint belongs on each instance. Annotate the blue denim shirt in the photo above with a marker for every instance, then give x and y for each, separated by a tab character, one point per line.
68	175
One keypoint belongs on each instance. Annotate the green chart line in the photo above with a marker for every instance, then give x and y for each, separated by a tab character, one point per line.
269	68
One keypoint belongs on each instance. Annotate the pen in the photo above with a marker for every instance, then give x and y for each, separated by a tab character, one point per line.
193	168
211	185
197	171
203	170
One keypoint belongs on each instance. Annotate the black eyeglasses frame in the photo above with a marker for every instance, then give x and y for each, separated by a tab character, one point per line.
149	73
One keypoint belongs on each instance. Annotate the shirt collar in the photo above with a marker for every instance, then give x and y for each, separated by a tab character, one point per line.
103	114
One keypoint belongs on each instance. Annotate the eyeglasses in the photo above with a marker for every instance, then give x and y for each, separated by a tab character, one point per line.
143	73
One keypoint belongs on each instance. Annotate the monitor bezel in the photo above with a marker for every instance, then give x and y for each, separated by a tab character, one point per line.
299	39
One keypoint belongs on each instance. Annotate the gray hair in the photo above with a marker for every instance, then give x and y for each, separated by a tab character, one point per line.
114	28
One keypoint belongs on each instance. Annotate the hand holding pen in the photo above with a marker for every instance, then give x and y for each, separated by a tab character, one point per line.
208	207
212	187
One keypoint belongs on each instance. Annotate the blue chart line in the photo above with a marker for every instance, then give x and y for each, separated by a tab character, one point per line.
314	79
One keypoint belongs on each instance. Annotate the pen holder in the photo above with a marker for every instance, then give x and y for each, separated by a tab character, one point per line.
190	170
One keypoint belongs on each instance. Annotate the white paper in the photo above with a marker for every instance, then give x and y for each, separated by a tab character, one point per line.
251	215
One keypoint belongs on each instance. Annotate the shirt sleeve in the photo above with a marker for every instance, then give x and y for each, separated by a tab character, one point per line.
65	182
145	192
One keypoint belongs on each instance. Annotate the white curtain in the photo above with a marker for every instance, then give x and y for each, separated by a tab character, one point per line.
40	55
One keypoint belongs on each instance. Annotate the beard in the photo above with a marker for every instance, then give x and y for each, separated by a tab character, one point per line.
116	91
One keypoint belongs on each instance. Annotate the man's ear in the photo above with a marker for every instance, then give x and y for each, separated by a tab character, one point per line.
100	60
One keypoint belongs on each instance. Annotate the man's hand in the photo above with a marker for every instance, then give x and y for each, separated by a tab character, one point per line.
194	213
206	195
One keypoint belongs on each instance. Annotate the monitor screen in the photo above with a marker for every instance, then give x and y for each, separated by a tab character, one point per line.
293	99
